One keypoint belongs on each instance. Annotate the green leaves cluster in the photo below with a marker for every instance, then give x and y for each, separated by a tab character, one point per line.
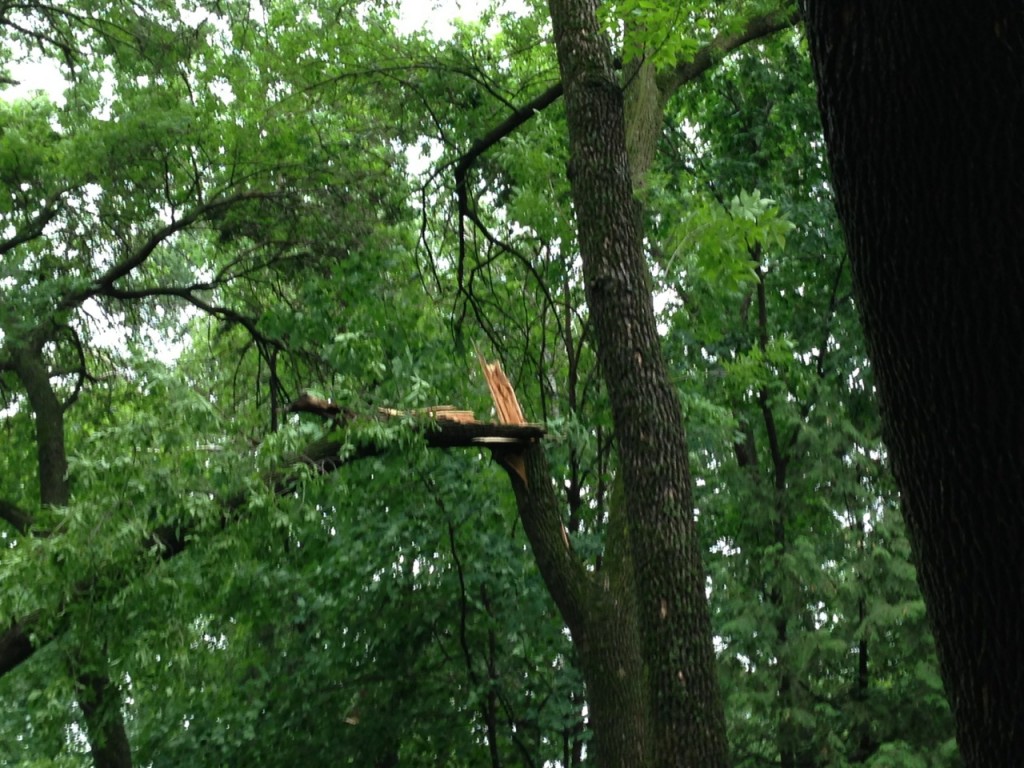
218	216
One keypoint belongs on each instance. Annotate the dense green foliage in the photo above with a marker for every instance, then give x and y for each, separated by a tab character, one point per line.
233	203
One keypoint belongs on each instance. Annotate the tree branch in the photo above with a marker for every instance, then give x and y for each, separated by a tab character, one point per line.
26	634
504	128
15	516
779	460
186	293
104	284
668	82
757	27
568	582
34	228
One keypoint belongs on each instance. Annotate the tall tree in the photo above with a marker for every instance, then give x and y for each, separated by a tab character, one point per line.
599	618
688	725
389	610
115	202
922	119
796	505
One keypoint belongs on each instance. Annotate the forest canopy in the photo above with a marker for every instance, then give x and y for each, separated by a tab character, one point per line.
222	211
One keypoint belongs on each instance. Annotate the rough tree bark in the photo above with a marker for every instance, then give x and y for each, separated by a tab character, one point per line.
687	719
601	613
921	105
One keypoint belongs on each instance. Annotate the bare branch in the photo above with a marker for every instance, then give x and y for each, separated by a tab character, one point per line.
570	585
34	228
186	293
757	27
104	284
537	104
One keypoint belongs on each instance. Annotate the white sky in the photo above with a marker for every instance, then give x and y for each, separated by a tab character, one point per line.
436	16
34	76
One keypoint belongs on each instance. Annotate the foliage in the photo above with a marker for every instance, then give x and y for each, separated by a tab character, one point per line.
223	211
797	504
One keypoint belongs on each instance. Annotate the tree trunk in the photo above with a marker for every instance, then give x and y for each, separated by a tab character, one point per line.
644	112
922	111
101	706
97	696
688	724
600	612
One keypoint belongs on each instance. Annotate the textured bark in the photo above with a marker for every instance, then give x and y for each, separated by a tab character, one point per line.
921	105
612	665
49	417
648	90
644	110
688	726
644	103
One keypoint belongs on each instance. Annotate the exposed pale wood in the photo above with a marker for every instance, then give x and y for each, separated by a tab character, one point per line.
504	396
509	411
455	427
439	412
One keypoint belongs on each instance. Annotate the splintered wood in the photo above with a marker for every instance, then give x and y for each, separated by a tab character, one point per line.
504	397
507	406
454	427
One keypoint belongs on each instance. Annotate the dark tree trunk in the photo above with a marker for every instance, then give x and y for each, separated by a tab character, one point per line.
97	695
101	705
923	108
687	720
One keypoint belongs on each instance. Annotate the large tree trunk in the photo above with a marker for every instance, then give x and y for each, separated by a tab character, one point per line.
688	725
923	107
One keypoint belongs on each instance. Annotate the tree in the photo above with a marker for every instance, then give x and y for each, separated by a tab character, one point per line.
923	149
110	216
254	582
584	616
819	623
687	723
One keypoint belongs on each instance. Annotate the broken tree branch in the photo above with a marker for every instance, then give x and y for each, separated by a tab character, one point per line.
27	633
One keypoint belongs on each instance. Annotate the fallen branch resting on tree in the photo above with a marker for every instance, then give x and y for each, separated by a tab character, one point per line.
441	426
